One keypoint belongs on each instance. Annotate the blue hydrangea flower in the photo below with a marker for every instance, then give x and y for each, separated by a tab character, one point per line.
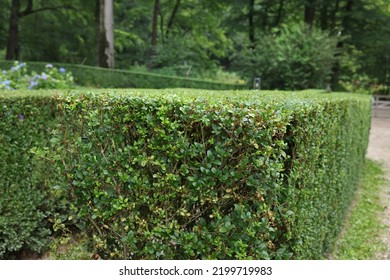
21	117
32	84
62	70
44	77
7	83
4	72
21	65
49	65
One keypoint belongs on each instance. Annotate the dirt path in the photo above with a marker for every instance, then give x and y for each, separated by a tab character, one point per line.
379	149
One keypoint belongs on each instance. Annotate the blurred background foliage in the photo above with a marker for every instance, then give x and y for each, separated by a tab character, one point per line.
291	44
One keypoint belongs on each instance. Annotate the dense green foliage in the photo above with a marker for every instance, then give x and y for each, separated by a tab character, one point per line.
26	200
197	38
328	150
90	76
190	174
297	58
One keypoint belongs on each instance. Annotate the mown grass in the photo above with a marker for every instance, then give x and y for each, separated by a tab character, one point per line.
361	239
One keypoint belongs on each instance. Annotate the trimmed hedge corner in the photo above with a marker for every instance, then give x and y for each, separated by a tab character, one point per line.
192	174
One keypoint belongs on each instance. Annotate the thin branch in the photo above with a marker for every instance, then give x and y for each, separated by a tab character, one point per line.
27	10
251	31
56	8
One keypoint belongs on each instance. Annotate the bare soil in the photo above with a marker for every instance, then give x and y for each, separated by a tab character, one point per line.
379	150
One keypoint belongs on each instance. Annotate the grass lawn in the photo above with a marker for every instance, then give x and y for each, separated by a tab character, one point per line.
361	239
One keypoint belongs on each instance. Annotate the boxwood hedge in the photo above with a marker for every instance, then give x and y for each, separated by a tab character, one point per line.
97	77
185	174
26	201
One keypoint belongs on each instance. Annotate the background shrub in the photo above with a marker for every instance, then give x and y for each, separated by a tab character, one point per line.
18	77
295	57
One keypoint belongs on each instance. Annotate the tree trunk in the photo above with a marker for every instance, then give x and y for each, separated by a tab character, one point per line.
310	10
279	13
265	18
172	17
13	32
13	47
162	32
155	22
345	24
109	27
104	16
251	23
333	15
324	15
152	51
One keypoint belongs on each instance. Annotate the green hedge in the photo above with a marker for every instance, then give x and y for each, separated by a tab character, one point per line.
90	76
191	174
26	201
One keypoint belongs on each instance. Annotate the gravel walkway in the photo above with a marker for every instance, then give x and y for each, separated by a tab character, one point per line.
379	150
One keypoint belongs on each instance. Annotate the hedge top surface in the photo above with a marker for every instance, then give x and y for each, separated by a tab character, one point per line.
281	103
191	95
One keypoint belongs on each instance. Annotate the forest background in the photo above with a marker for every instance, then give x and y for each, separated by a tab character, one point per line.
290	44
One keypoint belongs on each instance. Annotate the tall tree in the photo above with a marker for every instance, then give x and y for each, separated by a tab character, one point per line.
152	51
105	56
324	15
345	26
13	48
333	15
172	17
251	25
3	27
310	10
279	13
13	45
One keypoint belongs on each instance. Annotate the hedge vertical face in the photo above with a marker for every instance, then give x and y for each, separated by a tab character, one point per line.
197	175
328	153
25	200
